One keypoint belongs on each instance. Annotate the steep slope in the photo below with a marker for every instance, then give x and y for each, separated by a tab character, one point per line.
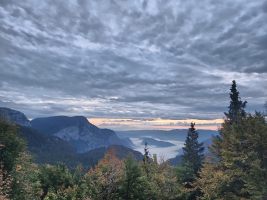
92	157
50	149
78	131
14	116
46	149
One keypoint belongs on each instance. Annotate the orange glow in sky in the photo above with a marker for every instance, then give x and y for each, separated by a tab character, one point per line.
155	124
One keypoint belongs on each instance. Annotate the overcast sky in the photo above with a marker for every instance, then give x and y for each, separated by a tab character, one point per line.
135	60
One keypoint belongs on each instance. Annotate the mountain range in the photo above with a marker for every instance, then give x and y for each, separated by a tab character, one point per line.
69	140
74	140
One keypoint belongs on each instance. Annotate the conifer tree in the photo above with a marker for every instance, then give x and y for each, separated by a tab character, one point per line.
193	150
239	170
146	153
192	160
237	106
134	184
147	161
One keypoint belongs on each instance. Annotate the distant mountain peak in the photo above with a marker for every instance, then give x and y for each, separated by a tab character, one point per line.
14	116
78	131
52	125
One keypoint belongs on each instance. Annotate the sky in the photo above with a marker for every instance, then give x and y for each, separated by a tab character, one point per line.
132	64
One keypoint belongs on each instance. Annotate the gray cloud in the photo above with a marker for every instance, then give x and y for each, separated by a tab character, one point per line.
136	59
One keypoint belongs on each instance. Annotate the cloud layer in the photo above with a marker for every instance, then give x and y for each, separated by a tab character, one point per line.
135	59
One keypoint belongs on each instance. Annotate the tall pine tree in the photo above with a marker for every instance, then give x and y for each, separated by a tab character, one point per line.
193	150
192	160
240	167
237	106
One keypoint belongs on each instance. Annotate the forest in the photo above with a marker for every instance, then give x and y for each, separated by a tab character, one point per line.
234	168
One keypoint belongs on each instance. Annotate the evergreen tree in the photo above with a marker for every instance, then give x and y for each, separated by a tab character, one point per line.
134	184
11	145
146	154
147	161
239	170
53	179
193	151
237	106
192	160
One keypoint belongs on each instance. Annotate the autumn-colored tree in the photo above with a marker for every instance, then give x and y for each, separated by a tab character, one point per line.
16	163
5	184
103	180
25	179
164	182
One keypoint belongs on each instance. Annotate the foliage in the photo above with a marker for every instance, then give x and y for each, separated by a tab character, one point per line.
165	182
25	179
103	180
237	106
5	184
193	151
54	180
11	145
240	167
16	166
192	160
135	184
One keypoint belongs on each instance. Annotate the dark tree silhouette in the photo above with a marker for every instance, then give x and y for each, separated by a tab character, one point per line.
237	106
193	150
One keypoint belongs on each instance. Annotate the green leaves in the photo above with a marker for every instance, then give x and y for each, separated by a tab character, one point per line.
240	167
11	145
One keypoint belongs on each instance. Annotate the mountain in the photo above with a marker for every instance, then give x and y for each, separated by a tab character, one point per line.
44	148
78	131
50	149
95	155
14	116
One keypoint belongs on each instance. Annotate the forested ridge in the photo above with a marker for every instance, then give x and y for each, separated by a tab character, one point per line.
234	168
